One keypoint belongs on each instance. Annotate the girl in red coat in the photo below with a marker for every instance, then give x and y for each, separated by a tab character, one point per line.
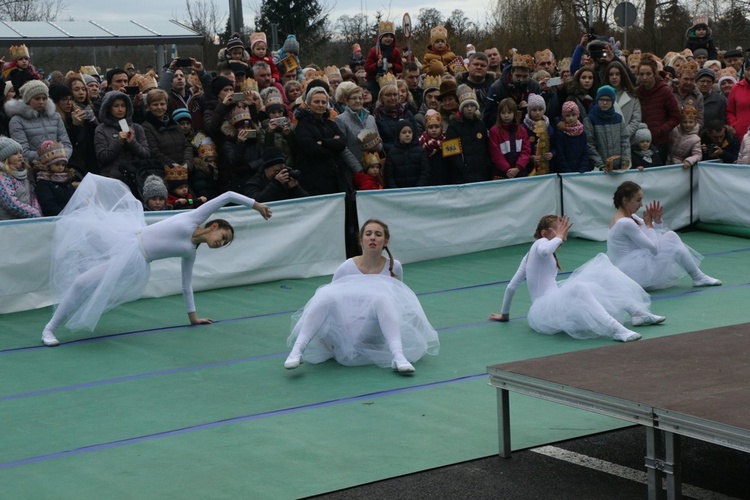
371	177
258	52
384	57
510	149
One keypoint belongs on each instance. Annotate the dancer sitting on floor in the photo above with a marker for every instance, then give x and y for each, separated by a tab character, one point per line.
366	315
643	250
593	302
102	249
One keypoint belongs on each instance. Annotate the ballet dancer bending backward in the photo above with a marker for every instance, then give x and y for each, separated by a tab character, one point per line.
642	249
593	302
102	250
366	315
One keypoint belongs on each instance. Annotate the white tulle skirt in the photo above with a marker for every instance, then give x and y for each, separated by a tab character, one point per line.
587	303
663	270
97	262
345	317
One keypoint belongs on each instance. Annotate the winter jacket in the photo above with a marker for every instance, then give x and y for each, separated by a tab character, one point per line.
509	148
166	142
502	88
18	198
730	148
684	146
110	152
572	153
350	124
31	128
738	108
694	99
659	111
714	107
473	164
406	166
639	160
707	42
262	190
446	57
629	108
606	139
743	158
388	126
389	52
366	182
53	196
321	173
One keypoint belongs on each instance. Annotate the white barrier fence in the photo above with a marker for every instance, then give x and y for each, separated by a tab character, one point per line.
305	237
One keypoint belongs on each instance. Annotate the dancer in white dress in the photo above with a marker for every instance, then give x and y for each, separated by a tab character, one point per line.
366	315
102	249
593	302
644	250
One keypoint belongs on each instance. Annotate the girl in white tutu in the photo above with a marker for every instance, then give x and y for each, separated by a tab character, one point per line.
366	315
593	302
644	250
102	247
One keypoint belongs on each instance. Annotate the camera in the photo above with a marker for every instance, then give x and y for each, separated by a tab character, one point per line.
294	174
712	149
280	121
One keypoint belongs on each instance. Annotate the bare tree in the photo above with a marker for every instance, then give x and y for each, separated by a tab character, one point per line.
31	10
204	17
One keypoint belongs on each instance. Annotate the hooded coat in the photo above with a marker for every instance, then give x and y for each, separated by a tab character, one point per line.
110	151
31	128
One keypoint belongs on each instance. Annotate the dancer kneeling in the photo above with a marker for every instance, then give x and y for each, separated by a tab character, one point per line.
102	250
643	250
593	302
366	315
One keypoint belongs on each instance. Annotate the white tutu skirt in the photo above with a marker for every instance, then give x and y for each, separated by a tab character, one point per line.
346	317
96	256
663	270
584	305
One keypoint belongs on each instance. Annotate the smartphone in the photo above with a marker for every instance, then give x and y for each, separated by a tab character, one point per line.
280	121
554	81
124	125
238	97
132	90
183	62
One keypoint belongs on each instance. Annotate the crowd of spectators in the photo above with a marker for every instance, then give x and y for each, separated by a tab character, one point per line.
268	126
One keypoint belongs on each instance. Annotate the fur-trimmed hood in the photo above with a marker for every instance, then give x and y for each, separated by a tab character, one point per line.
109	99
18	107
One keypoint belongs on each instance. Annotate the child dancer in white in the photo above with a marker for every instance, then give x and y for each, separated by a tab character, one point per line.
102	249
593	302
643	250
366	315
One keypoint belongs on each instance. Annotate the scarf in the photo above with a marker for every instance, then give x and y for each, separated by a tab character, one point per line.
531	123
396	112
573	130
601	117
646	154
430	144
20	174
59	177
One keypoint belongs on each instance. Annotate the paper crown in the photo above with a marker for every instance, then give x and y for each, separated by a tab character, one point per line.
331	71
564	63
543	55
456	66
256	37
368	139
194	81
431	82
371	159
315	75
273	98
208	150
386	27
17	51
89	70
689	112
438	33
432	117
522	61
238	115
145	82
634	59
386	79
687	53
249	84
689	68
175	173
728	71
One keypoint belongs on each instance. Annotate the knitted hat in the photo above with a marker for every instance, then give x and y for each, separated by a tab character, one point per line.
176	176
438	33
291	44
272	156
181	114
234	42
256	37
606	91
312	91
153	187
88	79
8	86
466	96
33	88
8	147
57	92
569	107
535	101
706	72
448	88
356	48
402	124
219	83
470	50
432	117
50	152
642	133
700	52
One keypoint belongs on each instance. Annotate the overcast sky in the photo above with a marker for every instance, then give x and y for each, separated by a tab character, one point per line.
145	10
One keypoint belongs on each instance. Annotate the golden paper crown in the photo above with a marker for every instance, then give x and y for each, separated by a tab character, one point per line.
249	84
438	33
728	71
522	61
689	68
331	70
385	27
544	54
239	114
371	159
273	98
634	59
89	70
687	53
432	117
194	81
689	112
17	51
315	75
386	79
146	82
208	150
175	173
368	139
431	82
564	63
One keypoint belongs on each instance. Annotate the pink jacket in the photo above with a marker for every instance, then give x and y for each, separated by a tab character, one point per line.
744	156
684	146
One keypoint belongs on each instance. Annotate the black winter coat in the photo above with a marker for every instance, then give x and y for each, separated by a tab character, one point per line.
321	173
166	142
53	196
406	165
473	165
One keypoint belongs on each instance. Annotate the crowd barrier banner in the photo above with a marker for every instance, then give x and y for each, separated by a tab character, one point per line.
441	221
304	238
587	198
723	193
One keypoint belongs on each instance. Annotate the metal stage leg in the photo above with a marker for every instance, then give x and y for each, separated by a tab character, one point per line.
654	464
663	455
503	422
673	458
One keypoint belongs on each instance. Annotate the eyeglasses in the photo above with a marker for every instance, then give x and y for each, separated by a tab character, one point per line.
357	98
